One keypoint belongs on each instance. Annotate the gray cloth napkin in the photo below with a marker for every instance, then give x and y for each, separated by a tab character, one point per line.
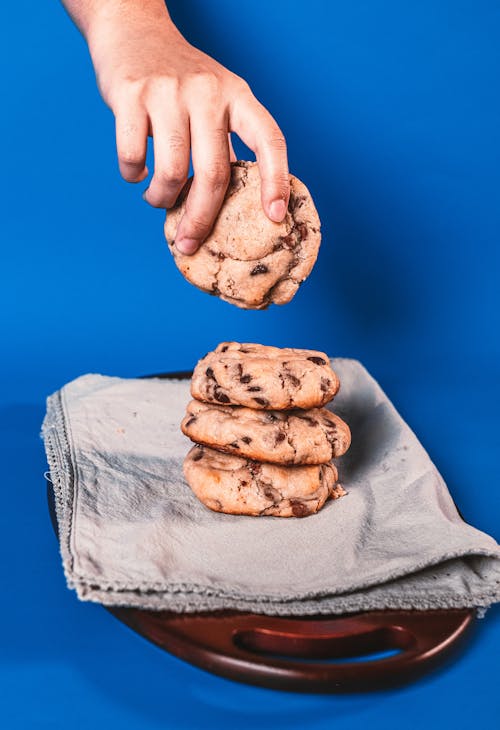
132	532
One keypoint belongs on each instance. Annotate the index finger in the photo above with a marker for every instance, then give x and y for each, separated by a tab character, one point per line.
210	152
259	131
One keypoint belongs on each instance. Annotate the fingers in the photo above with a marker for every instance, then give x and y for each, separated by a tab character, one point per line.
210	151
131	142
171	152
202	120
258	130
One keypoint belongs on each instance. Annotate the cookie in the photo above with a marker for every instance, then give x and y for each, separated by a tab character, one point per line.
247	259
279	437
237	486
263	377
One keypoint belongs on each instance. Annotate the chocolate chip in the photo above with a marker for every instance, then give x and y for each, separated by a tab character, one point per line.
299	509
287	241
239	369
246	439
221	397
293	380
243	483
235	445
198	455
209	373
254	467
317	360
225	348
302	231
325	384
280	437
245	378
259	269
191	420
271	493
311	421
271	417
332	439
262	402
296	201
254	389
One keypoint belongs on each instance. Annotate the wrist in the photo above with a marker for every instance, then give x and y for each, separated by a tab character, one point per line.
124	20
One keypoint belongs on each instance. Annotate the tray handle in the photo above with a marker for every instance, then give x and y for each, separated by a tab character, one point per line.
302	654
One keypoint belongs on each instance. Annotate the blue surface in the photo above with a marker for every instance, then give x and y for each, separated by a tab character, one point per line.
391	112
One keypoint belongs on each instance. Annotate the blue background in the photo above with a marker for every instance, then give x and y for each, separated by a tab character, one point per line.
391	112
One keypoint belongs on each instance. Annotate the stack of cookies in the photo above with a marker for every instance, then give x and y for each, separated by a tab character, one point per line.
264	441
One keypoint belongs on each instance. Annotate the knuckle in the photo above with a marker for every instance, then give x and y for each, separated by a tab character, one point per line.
160	87
126	130
127	91
130	157
277	143
241	86
133	86
281	190
216	175
281	180
164	83
197	226
204	83
176	142
172	176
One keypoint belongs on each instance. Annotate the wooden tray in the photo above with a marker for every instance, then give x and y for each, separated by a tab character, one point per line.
327	654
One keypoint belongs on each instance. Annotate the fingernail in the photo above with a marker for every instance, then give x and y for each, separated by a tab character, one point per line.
277	210
186	245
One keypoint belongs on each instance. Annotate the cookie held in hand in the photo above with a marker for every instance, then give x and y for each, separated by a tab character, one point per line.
230	484
303	437
247	259
264	377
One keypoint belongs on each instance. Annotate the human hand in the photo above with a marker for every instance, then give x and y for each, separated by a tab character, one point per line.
157	84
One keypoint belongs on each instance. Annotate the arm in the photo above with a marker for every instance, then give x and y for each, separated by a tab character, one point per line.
156	83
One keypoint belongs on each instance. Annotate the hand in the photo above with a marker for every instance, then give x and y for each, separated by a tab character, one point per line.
157	84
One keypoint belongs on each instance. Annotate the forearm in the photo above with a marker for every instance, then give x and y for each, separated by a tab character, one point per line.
87	14
125	39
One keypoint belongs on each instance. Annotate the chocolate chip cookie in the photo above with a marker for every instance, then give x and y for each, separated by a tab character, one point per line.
263	377
279	437
227	483
248	260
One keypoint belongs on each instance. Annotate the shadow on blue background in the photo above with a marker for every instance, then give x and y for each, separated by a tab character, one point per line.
391	113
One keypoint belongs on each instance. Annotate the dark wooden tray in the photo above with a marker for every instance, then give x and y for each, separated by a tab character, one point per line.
327	654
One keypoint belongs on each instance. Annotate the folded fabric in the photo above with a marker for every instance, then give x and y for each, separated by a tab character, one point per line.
133	533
